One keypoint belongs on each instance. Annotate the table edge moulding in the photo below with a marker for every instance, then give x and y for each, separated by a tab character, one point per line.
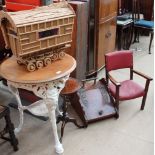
45	83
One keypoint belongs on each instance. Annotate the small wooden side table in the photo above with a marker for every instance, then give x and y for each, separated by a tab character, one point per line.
45	83
71	87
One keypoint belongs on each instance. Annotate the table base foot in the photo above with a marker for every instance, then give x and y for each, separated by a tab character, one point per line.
16	130
59	148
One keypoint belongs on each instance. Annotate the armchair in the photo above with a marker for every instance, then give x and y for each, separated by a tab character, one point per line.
127	89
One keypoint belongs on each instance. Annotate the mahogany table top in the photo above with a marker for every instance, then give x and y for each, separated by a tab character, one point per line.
14	72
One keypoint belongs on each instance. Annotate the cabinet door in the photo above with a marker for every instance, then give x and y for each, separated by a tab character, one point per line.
106	40
107	8
102	31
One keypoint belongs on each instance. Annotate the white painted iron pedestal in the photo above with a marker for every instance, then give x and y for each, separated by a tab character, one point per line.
46	84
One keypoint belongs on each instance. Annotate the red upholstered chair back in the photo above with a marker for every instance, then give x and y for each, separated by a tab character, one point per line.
18	5
119	60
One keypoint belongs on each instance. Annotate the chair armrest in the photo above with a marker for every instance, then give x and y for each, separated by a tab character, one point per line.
84	80
142	75
116	83
90	79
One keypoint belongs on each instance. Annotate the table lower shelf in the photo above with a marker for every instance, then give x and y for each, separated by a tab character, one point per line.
33	109
14	104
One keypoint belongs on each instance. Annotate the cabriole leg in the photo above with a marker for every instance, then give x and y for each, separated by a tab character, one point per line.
51	105
20	107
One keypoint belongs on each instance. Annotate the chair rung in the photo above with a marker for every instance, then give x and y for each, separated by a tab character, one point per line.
5	138
3	132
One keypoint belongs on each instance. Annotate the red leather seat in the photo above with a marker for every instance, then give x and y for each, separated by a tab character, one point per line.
127	89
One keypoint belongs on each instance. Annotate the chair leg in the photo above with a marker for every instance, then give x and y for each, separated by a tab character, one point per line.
10	127
144	97
136	36
117	114
152	35
117	105
62	130
117	98
143	102
130	35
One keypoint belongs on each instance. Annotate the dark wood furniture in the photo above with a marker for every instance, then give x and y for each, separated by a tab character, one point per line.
71	87
126	89
9	128
102	32
124	6
140	24
124	34
93	102
94	34
146	8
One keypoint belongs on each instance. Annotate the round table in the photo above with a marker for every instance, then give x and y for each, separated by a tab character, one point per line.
46	83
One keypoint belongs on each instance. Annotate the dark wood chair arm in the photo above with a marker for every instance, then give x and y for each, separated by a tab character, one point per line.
142	75
116	83
84	80
90	79
91	75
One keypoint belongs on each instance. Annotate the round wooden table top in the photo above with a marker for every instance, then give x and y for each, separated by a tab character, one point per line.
11	71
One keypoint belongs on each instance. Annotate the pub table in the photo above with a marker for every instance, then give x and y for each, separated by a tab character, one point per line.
45	83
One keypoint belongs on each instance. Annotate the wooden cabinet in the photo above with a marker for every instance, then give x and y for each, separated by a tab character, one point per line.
102	32
106	39
147	9
106	7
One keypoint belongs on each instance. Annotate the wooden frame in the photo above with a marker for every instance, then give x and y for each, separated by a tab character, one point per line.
90	112
118	84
